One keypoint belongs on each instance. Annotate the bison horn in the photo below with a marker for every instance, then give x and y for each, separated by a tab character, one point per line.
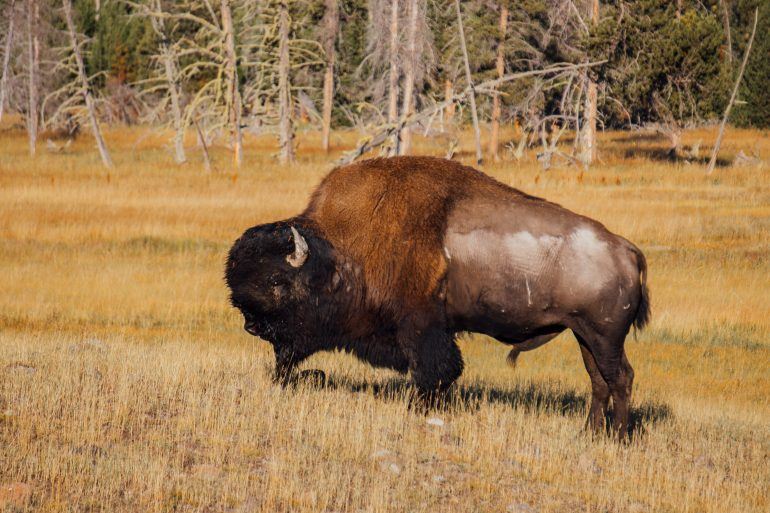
299	256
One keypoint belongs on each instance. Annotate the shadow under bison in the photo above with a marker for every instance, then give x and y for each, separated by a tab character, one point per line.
542	397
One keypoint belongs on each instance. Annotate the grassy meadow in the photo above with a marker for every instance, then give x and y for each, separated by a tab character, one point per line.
127	383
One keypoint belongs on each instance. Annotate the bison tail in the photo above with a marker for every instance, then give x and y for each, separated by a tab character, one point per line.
642	317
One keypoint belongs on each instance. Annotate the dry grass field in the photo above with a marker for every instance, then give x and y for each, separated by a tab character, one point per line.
127	383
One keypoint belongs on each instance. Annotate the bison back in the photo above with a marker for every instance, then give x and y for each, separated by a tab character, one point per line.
389	216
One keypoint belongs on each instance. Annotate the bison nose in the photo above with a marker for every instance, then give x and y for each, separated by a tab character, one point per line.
251	328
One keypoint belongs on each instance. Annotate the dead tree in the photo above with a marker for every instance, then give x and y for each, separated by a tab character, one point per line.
169	66
715	152
386	132
471	94
32	73
11	16
168	59
85	86
728	32
285	126
409	76
393	74
500	68
588	136
331	21
449	112
232	89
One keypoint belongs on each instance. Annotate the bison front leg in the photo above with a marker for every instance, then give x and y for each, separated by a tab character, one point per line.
435	361
286	361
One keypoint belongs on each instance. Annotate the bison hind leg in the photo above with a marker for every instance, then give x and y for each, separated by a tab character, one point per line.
611	376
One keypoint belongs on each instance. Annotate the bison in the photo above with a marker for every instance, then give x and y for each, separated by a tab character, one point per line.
394	257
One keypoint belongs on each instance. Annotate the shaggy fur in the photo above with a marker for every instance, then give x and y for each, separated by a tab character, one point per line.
406	252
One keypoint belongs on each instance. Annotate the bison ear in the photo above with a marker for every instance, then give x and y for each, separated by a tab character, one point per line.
298	257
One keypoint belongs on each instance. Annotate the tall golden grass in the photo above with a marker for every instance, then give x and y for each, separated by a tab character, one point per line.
127	384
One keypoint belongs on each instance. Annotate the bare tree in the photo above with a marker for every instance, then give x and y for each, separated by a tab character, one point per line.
168	58
715	152
588	137
11	16
472	94
331	21
285	127
85	86
500	68
409	75
728	32
393	74
32	73
557	72
233	91
449	112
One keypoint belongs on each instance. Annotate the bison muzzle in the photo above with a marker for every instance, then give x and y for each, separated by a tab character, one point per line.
394	257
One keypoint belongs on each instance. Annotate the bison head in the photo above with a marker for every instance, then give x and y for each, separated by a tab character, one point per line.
269	273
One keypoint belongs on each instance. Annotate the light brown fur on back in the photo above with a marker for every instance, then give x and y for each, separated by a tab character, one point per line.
390	216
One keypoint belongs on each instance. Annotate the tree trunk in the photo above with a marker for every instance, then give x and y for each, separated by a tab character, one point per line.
203	145
7	55
449	112
715	152
393	75
472	94
409	76
588	137
678	9
32	44
331	24
233	92
173	89
500	65
84	86
286	130
728	32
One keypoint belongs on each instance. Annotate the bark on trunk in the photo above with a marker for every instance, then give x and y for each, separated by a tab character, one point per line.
715	152
331	26
588	137
84	86
169	64
32	44
7	55
409	76
472	94
233	97
393	75
286	130
500	65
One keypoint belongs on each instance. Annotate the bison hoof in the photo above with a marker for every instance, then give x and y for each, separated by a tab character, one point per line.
315	377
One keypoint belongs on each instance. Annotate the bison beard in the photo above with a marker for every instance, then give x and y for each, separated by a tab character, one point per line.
393	257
